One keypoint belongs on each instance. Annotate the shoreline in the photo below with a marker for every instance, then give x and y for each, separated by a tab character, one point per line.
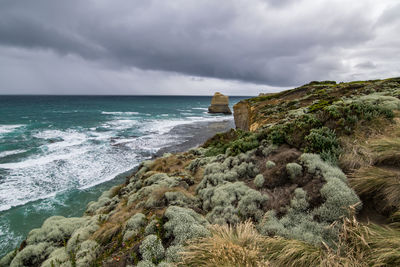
195	134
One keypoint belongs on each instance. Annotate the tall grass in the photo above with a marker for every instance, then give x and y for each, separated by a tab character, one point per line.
378	183
241	245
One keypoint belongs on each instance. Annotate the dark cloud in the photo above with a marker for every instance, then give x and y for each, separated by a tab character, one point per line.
276	43
366	65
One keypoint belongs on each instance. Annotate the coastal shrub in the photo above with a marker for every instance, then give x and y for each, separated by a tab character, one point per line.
32	255
153	183
337	194
83	233
294	170
323	141
134	225
151	228
195	164
180	199
56	229
277	134
184	224
315	165
320	104
312	226
298	223
151	249
338	198
269	149
270	164
6	260
165	264
229	201
145	264
59	257
218	173
259	180
244	144
87	253
172	253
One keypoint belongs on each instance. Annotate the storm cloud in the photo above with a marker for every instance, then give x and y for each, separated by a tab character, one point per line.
191	46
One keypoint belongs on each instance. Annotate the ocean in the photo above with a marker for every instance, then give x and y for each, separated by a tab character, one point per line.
57	153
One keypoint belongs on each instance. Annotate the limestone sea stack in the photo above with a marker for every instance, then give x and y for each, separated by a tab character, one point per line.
219	104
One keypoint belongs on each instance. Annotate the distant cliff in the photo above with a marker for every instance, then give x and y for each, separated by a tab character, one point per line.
310	177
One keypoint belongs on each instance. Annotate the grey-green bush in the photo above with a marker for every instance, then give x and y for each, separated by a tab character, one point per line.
184	224
151	249
259	181
226	202
134	225
294	170
314	226
270	164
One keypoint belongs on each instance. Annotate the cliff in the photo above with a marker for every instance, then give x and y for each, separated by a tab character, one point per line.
315	182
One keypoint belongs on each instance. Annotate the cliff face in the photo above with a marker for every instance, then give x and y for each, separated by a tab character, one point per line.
241	113
288	188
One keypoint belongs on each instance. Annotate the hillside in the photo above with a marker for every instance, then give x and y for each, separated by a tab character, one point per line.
311	177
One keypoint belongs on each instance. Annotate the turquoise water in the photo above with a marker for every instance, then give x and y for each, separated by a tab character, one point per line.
57	153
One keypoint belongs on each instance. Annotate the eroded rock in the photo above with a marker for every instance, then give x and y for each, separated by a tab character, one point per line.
219	104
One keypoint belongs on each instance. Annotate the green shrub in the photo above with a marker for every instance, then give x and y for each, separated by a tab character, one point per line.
323	141
56	229
270	164
230	201
32	255
259	181
314	225
184	224
172	254
294	170
6	260
298	223
181	199
87	253
134	225
151	249
320	104
145	264
83	233
57	258
277	135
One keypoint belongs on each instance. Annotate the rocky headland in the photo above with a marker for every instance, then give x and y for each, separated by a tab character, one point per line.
310	177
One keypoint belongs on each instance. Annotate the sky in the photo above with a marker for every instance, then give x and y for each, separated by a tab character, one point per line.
193	47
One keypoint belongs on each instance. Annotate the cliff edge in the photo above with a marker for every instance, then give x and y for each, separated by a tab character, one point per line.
309	178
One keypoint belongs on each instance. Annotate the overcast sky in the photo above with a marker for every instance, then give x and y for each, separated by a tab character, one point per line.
238	47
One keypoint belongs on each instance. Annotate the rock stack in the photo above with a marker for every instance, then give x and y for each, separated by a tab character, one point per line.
219	104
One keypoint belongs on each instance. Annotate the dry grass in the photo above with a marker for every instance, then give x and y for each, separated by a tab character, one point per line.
365	146
386	150
379	183
371	244
359	246
395	219
113	225
240	246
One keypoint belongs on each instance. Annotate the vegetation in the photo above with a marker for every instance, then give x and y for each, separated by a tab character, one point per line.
275	196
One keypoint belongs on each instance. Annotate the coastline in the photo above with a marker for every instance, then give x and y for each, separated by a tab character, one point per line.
195	134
